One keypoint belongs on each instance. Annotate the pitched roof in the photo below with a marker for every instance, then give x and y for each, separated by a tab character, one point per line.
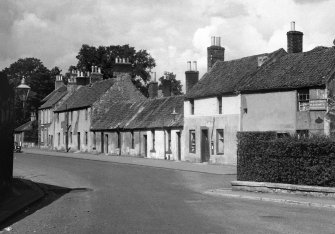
25	127
54	97
148	114
85	96
225	76
292	71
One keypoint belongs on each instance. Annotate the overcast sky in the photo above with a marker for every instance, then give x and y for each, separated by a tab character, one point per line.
173	31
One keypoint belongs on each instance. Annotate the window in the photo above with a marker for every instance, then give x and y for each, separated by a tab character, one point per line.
169	140
70	137
153	139
86	114
132	140
86	139
58	138
57	117
64	137
220	104
192	141
42	135
71	116
219	141
192	106
303	100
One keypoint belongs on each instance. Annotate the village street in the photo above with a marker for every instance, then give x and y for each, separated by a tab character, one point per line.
85	196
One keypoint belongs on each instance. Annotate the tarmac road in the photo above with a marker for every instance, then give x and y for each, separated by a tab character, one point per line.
102	197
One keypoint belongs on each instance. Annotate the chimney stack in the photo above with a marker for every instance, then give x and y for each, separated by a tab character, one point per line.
166	87
81	79
294	40
191	76
122	67
59	82
153	87
95	75
215	52
32	116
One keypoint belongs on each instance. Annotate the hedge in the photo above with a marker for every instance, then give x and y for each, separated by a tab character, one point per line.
263	157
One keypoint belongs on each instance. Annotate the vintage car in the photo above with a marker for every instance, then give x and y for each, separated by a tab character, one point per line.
17	148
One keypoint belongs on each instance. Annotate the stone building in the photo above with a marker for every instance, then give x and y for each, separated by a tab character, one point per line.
280	91
26	134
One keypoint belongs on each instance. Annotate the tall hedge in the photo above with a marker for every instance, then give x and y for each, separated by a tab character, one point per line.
263	157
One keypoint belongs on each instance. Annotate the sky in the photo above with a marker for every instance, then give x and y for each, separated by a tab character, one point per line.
172	31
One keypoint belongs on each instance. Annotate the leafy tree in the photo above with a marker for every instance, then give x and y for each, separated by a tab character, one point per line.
104	57
176	86
38	77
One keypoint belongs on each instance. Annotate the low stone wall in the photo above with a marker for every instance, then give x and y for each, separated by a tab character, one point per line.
266	187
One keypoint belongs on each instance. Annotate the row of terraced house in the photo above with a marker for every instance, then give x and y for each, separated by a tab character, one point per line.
283	91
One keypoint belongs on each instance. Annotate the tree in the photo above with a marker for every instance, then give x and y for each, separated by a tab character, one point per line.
38	77
176	86
104	57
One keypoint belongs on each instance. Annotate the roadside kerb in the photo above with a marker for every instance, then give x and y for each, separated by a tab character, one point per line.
290	199
267	187
158	163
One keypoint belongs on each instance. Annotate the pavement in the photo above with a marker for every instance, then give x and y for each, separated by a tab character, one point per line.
160	163
21	194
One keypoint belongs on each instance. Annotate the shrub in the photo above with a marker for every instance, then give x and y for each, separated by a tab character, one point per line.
263	157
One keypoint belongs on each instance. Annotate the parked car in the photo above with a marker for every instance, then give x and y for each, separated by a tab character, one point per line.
17	148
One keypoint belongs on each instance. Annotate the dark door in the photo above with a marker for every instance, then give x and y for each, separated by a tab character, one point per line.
78	140
52	141
102	143
106	140
204	145
145	146
179	147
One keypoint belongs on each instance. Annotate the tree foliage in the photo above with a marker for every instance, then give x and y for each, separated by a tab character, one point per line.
104	57
38	77
176	86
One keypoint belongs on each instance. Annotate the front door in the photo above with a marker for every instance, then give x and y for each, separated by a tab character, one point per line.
179	147
204	145
102	142
145	146
106	140
78	140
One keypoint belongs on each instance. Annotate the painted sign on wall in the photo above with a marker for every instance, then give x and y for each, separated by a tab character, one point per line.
318	104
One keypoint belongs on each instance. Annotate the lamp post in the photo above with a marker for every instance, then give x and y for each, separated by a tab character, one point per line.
23	92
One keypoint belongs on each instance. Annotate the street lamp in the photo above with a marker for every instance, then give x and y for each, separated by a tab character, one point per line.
23	92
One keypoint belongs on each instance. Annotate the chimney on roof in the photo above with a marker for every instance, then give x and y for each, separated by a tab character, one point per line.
294	40
95	75
122	67
81	79
166	87
215	52
191	75
153	87
59	82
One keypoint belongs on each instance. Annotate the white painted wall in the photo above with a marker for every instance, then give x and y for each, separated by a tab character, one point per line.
231	105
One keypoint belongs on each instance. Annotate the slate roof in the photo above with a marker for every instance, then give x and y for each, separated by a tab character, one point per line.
85	96
225	76
54	97
148	114
292	71
25	127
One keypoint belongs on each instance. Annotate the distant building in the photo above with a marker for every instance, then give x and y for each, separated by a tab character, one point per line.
26	134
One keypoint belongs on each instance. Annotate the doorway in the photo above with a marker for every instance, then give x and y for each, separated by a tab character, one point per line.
78	136
106	140
204	145
102	142
178	146
145	138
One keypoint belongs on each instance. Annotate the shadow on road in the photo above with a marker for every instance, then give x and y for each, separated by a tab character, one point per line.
52	193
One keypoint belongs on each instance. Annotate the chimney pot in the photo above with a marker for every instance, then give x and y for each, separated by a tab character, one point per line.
212	41
292	26
189	66
92	69
218	41
99	70
195	65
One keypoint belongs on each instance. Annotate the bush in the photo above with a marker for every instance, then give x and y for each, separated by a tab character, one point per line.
263	157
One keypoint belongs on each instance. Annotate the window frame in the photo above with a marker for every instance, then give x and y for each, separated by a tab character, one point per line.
192	106
192	141
153	140
219	98
218	138
132	140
